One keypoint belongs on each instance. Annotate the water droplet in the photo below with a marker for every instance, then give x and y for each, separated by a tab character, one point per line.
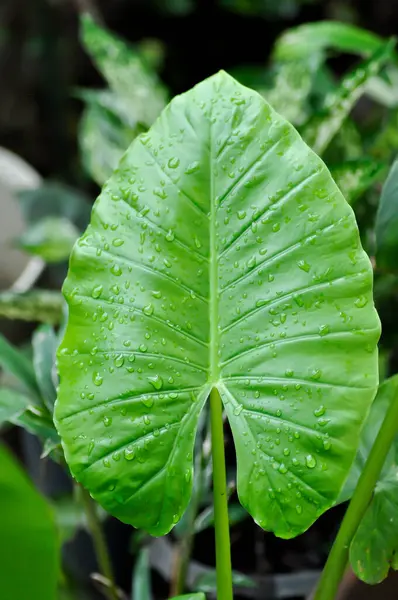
148	310
143	348
97	379
282	469
119	361
316	374
117	242
318	412
129	453
289	373
107	421
156	381
304	266
116	270
286	451
238	409
310	461
323	330
361	302
192	168
173	162
299	509
91	447
97	291
170	235
241	214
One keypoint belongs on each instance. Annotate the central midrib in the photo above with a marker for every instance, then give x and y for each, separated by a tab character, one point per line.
213	273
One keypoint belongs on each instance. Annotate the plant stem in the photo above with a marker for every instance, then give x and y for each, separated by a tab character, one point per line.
221	521
339	555
99	543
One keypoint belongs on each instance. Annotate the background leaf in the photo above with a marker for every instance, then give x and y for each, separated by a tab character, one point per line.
321	129
311	38
52	239
142	577
44	306
355	177
374	547
125	71
13	361
225	257
29	550
386	227
12	403
45	344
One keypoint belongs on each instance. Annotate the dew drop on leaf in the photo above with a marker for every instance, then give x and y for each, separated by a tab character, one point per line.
238	409
361	302
129	453
107	421
310	461
156	381
148	310
97	379
97	291
173	162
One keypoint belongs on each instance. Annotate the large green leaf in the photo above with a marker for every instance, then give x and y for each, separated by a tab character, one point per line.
221	253
374	548
321	128
312	38
386	227
29	552
125	71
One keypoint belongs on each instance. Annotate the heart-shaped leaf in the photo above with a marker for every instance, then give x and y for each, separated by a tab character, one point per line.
220	253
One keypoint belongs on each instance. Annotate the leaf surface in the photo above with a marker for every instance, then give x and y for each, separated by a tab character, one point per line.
45	344
220	253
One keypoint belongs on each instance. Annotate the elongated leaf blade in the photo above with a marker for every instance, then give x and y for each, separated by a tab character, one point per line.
306	40
125	71
386	227
103	139
15	362
37	305
29	550
12	403
320	129
45	344
141	587
221	253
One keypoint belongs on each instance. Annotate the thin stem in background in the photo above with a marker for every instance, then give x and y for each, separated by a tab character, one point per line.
339	555
221	520
100	547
